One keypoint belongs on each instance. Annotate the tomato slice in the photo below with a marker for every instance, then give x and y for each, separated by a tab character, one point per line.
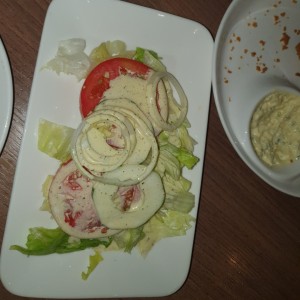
72	205
97	82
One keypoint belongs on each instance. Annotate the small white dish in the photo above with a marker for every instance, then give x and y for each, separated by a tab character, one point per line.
255	53
56	98
6	95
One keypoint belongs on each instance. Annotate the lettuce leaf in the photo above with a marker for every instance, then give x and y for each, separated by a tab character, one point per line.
180	144
71	58
176	147
44	241
182	202
149	58
179	137
186	140
55	140
167	163
185	157
178	196
94	261
99	54
128	239
173	156
166	223
45	191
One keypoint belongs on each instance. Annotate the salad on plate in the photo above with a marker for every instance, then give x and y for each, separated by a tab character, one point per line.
119	184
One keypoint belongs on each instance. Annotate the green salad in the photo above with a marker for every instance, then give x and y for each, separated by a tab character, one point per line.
119	184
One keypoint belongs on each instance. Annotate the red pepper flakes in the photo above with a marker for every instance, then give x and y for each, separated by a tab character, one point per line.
259	58
262	68
277	4
252	24
276	20
262	43
285	40
298	50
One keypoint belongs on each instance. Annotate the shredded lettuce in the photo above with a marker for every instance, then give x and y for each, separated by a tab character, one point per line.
128	239
173	186
108	50
178	150
44	241
182	202
149	58
179	137
115	48
55	140
45	191
94	261
178	196
167	163
185	157
99	54
70	58
186	140
165	223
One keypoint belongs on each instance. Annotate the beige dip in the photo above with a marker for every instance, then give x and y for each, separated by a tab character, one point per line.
275	128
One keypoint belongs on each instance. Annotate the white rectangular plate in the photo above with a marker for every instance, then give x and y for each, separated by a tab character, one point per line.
186	48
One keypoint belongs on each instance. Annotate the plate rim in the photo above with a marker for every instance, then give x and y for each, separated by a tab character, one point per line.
7	74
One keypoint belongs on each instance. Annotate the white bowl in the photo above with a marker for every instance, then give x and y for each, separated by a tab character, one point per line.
6	95
251	60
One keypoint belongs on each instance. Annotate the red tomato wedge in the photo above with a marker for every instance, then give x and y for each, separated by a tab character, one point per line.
97	82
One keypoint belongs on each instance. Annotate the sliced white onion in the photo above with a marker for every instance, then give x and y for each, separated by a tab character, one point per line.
132	173
143	145
92	161
151	95
127	104
127	169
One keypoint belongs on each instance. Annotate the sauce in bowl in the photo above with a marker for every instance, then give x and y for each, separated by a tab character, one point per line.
275	128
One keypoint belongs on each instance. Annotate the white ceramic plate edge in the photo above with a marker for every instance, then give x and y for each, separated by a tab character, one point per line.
6	93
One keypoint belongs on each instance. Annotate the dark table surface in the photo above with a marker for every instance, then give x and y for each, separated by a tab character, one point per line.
247	242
